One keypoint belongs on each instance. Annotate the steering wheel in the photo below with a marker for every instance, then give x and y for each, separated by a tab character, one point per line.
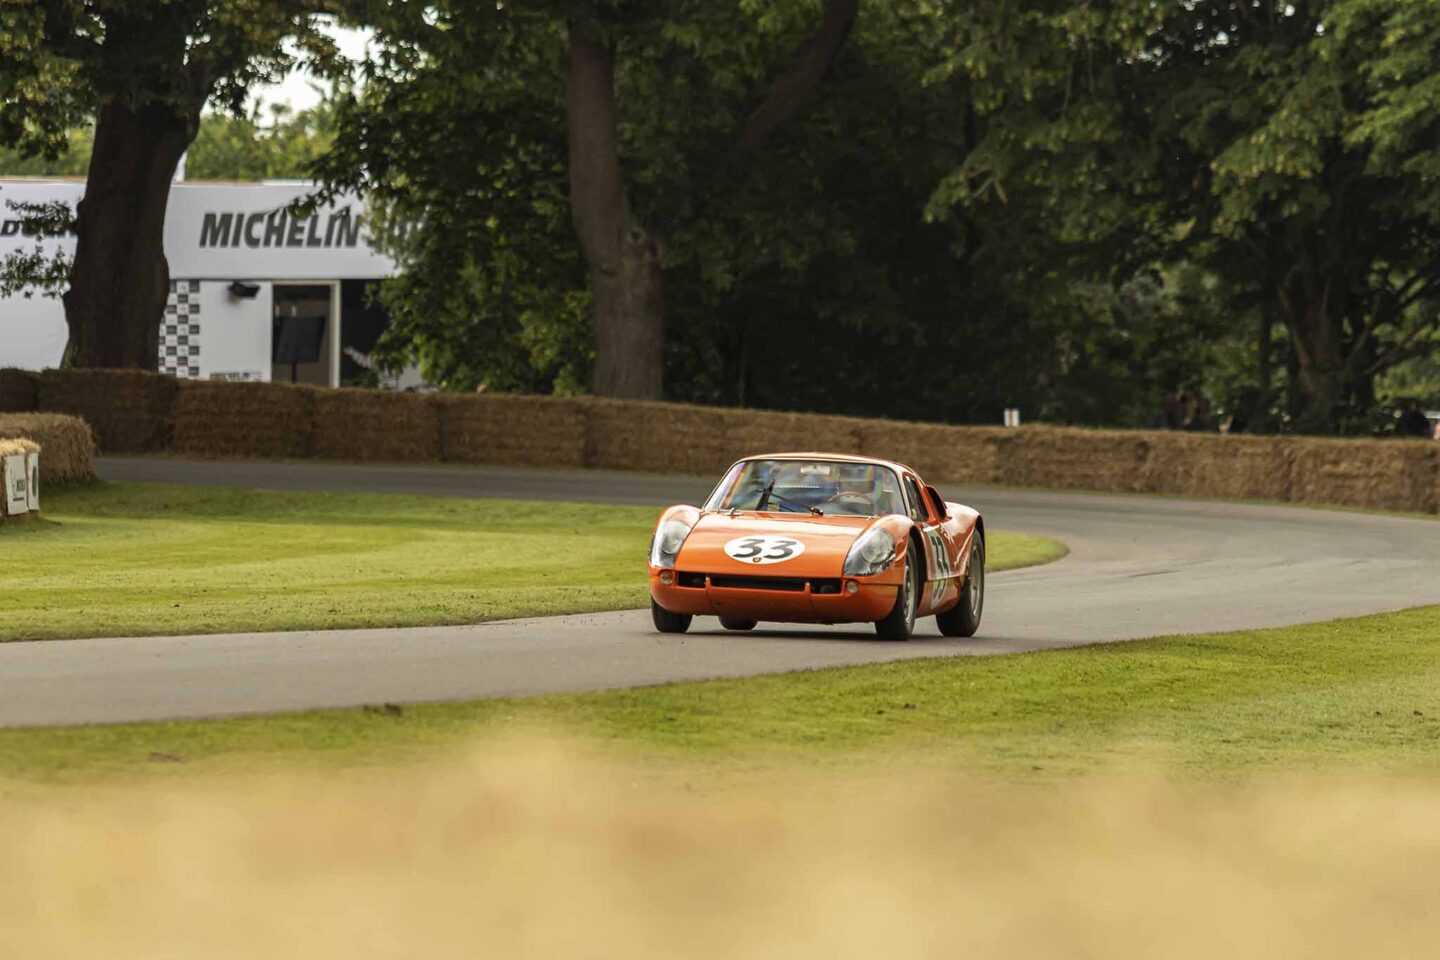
853	497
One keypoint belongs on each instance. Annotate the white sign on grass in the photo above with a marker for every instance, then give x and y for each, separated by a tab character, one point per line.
34	491
17	485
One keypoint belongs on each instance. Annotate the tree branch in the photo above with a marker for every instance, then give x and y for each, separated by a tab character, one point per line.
808	65
1399	351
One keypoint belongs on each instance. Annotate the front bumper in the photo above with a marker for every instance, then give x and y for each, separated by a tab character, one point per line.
778	599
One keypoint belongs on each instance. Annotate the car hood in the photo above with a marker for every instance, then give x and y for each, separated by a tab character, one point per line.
825	542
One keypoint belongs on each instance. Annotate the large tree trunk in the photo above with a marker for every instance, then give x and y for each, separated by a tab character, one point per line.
622	255
120	278
1315	320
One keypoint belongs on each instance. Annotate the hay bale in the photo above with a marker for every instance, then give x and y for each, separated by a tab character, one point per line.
67	444
243	419
1210	465
749	432
1377	474
1073	458
512	430
130	411
375	425
19	391
656	437
940	453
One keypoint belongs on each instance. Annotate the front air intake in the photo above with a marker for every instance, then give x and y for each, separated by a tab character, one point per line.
725	581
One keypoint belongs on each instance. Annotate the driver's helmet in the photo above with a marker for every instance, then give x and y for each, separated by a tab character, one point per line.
859	479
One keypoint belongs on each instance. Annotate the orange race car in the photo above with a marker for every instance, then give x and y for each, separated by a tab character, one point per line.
820	538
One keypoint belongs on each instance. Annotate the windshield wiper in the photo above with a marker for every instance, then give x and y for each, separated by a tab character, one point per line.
770	494
765	497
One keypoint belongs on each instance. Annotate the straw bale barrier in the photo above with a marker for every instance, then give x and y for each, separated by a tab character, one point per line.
512	430
769	431
19	391
1390	475
67	447
1209	465
243	419
375	425
130	411
938	452
140	412
657	437
1072	458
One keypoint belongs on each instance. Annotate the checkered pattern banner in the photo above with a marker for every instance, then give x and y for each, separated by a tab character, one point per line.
180	330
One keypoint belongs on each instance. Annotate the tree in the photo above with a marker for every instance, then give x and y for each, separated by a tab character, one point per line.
72	160
250	146
144	71
253	146
1288	148
574	63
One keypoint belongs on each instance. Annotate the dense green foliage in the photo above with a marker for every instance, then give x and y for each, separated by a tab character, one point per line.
277	143
1288	150
1079	209
1073	207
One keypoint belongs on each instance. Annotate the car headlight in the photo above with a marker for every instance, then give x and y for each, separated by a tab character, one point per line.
668	540
871	554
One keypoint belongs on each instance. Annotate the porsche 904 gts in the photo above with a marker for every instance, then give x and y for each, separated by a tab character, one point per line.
820	538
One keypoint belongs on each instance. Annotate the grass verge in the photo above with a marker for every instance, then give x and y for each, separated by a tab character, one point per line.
139	559
1356	695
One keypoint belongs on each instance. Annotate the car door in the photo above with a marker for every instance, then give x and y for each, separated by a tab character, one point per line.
942	552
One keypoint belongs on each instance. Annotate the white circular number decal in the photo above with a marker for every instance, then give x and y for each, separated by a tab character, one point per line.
764	549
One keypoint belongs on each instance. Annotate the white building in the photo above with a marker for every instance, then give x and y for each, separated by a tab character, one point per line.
256	292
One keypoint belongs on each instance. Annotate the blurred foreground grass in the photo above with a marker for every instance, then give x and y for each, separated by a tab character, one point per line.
1353	695
532	849
139	559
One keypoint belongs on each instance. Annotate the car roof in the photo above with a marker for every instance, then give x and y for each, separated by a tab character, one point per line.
842	457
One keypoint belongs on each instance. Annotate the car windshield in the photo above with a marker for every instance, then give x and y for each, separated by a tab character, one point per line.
832	487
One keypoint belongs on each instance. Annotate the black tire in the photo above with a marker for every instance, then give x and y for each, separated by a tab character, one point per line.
899	623
730	623
667	622
963	619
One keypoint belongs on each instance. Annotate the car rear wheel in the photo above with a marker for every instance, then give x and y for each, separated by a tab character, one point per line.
900	622
963	619
667	622
730	623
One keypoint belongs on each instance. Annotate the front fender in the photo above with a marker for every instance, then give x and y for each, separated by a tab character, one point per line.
899	527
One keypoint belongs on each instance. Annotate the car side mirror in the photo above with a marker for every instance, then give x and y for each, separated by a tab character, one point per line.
937	502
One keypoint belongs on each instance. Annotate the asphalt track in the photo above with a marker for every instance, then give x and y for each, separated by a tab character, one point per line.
1139	566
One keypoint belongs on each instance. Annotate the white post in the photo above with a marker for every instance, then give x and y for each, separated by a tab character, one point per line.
335	334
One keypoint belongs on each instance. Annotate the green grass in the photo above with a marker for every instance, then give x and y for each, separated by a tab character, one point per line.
1351	695
137	559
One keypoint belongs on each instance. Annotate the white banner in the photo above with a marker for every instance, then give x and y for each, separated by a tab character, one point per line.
229	231
17	484
216	233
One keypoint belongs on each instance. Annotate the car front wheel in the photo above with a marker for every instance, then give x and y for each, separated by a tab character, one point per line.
900	622
667	622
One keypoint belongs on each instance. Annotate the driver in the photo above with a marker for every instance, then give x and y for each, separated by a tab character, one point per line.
856	492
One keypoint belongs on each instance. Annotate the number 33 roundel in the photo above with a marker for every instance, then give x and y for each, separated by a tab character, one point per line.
764	549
